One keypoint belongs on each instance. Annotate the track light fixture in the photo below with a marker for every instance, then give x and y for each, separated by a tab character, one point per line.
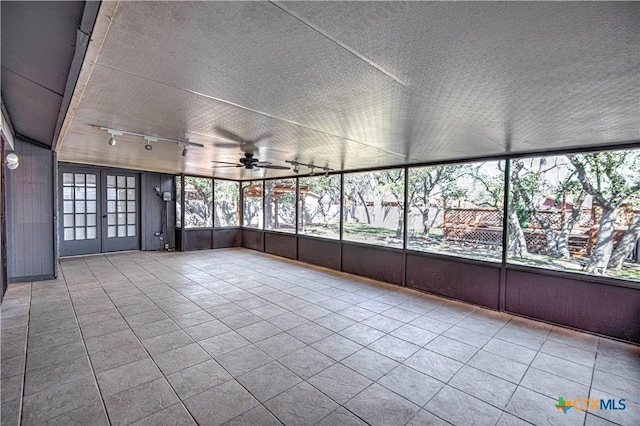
310	166
148	138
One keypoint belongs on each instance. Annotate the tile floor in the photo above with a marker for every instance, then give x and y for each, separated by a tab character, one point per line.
241	338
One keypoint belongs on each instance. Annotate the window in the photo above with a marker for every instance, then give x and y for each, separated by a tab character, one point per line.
578	212
457	210
252	204
227	203
79	198
198	202
319	206
374	207
280	203
178	202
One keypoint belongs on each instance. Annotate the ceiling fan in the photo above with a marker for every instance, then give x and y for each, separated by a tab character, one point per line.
249	163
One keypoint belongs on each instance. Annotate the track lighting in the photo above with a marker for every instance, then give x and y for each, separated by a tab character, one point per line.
311	171
295	169
148	138
310	166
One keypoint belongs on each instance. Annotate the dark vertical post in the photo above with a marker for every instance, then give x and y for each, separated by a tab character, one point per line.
264	215
213	211
405	221
298	213
55	195
505	235
183	237
341	214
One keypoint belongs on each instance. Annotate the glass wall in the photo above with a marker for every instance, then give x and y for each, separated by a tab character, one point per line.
457	210
178	202
374	207
198	202
280	205
252	204
226	203
578	213
319	206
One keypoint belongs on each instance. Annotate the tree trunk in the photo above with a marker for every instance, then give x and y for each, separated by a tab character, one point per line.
567	227
517	243
426	225
366	209
604	242
625	246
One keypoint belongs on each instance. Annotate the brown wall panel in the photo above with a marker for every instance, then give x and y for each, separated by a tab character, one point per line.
600	308
280	244
252	239
319	252
469	282
223	238
373	262
197	239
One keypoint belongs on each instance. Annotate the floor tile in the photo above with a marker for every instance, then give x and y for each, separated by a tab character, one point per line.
379	406
280	345
156	328
243	360
48	356
510	350
257	416
206	330
268	381
413	334
469	337
539	409
56	374
310	333
411	384
193	318
139	402
174	415
341	417
483	386
362	334
424	417
336	347
288	321
301	405
452	348
475	411
258	331
180	358
563	368
382	323
223	343
127	376
498	366
166	342
198	378
339	383
433	364
306	362
369	363
220	404
394	348
118	356
552	385
335	322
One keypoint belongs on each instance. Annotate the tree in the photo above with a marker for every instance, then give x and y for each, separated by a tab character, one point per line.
198	202
356	186
391	182
327	193
516	243
226	197
625	246
610	178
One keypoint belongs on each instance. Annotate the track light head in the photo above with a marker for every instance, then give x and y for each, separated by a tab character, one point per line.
184	151
295	169
148	146
312	172
112	141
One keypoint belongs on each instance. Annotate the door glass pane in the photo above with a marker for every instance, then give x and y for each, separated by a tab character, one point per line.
131	218
91	193
122	206
122	183
91	206
91	220
111	181
80	193
67	193
67	207
80	220
79	179
79	206
111	231
68	221
122	194
131	194
111	219
68	234
91	233
111	206
111	194
122	231
131	182
131	231
91	180
80	234
131	206
122	218
67	179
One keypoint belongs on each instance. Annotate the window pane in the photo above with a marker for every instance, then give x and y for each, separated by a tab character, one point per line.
111	194
80	220
80	193
68	234
79	179
198	202
111	181
67	180
122	218
91	193
252	199
91	220
122	231
131	218
572	213
91	233
122	194
80	234
374	207
131	206
68	207
91	206
131	231
68	220
131	182
226	203
320	206
111	206
67	193
80	206
131	194
111	231
280	198
122	181
457	210
111	219
122	206
178	202
91	180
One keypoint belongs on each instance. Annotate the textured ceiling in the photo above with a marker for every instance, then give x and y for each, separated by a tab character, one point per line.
353	85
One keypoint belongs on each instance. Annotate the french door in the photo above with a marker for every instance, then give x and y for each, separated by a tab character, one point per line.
99	211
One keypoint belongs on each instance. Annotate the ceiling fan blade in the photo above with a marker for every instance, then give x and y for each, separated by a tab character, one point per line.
275	167
263	163
229	135
223	162
226	145
222	167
